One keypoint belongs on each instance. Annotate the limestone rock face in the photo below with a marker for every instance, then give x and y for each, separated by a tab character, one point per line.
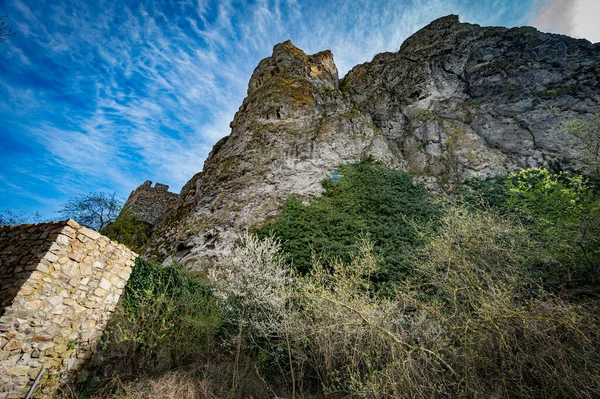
457	101
293	128
464	101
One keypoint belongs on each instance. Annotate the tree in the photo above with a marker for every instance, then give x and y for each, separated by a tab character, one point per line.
129	231
10	218
93	210
5	31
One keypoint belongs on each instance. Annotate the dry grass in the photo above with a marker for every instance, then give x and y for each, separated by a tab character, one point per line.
200	380
468	323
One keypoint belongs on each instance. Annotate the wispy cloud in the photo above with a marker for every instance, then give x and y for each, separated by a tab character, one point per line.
102	95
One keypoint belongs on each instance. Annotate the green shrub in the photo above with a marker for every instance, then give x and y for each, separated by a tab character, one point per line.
369	199
483	329
166	319
129	231
485	193
561	212
559	209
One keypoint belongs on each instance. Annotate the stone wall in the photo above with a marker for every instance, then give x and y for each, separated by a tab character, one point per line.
149	204
59	283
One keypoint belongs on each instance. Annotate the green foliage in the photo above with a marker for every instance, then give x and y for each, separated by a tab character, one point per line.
470	313
469	319
370	199
129	231
484	329
557	206
560	211
499	330
545	197
165	314
491	191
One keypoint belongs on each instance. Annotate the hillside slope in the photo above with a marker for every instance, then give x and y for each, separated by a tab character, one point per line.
457	101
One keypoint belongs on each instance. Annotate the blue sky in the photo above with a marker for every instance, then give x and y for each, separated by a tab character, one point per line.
103	95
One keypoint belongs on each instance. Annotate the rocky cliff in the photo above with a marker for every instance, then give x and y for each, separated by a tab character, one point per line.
457	101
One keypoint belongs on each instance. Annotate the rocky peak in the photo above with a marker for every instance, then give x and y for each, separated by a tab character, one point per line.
287	85
288	61
457	101
441	36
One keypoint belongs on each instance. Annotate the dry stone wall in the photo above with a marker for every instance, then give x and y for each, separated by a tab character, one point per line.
59	283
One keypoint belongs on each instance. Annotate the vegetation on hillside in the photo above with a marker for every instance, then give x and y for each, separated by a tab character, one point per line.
369	200
129	231
490	293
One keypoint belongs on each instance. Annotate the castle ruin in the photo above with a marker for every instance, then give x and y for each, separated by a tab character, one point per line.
150	204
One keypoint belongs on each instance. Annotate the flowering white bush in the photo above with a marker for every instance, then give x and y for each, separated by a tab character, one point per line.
257	278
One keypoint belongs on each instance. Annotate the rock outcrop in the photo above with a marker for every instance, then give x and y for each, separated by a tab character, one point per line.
457	101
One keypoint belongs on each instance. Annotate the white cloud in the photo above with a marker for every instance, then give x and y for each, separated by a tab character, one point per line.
575	18
587	20
556	16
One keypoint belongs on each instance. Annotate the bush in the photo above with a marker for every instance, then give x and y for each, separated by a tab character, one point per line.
165	319
558	207
469	314
467	322
254	284
508	337
129	231
369	199
560	210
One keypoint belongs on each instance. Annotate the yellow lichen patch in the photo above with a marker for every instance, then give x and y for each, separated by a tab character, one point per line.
315	71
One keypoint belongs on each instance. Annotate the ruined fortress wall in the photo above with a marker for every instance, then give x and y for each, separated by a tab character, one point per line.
149	204
59	282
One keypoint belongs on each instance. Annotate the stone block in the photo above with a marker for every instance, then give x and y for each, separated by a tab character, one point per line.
105	284
94	235
19	370
12	345
75	255
43	268
62	239
73	224
51	257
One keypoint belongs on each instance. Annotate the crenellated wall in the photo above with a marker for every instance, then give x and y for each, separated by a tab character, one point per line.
150	204
59	283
